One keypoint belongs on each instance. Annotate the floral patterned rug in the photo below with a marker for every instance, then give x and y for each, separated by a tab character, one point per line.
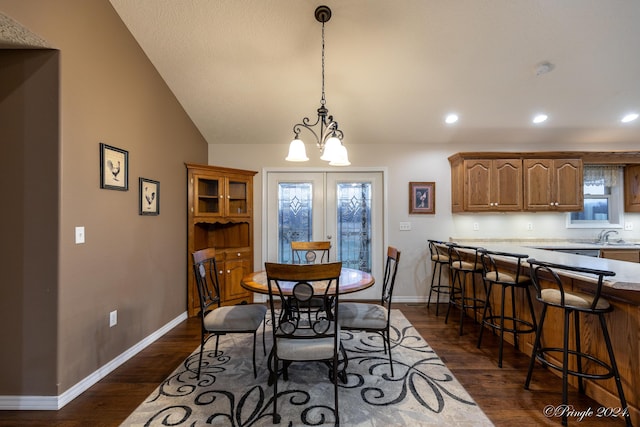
423	392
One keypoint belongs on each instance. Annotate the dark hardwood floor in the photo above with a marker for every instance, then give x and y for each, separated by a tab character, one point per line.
499	392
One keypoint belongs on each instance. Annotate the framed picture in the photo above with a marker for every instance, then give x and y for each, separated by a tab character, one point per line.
114	168
422	198
149	197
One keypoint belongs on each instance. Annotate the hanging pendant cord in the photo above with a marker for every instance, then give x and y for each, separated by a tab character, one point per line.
322	99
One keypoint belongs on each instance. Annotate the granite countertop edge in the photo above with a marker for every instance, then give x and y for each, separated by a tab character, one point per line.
627	273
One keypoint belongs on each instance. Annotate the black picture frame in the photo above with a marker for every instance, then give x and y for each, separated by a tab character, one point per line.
114	168
149	191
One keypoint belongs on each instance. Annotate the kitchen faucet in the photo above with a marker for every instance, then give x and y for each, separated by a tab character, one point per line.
603	236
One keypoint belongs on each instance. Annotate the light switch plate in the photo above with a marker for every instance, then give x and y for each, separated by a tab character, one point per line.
405	226
628	226
79	235
113	318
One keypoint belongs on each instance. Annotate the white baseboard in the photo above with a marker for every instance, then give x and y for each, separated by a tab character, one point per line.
30	403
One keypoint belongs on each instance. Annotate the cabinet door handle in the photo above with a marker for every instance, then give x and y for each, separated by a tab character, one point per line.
239	254
221	272
228	271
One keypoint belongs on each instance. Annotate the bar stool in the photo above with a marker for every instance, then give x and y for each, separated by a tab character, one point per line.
553	294
493	277
439	258
463	261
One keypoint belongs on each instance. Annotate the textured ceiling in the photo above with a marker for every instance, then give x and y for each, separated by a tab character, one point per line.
247	70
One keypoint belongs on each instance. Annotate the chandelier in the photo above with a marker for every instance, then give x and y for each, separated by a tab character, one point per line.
328	137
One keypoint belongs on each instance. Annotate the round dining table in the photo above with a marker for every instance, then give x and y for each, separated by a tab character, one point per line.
351	280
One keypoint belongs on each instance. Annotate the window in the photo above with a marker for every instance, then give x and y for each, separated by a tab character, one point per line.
603	199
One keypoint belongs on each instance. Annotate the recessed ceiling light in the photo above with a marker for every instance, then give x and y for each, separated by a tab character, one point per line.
451	118
539	118
629	117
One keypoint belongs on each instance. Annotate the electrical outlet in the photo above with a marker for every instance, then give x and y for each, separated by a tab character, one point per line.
113	318
405	226
79	235
476	226
529	226
628	226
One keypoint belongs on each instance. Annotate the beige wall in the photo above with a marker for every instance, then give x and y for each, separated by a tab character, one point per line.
108	92
30	212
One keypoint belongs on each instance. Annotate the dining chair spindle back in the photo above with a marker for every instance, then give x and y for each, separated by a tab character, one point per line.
302	331
215	319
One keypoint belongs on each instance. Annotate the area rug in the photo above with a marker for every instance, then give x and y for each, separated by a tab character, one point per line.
423	392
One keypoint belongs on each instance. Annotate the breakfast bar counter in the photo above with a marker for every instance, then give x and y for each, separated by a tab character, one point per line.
622	291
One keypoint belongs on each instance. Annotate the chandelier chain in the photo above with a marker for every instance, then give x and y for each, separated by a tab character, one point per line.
323	101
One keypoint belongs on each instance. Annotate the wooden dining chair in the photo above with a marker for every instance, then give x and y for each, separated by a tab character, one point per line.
310	252
302	332
215	319
358	316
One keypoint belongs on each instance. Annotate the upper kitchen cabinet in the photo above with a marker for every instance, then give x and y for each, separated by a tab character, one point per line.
553	185
482	184
492	185
632	188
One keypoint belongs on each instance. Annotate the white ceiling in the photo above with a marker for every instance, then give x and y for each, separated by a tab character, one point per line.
247	70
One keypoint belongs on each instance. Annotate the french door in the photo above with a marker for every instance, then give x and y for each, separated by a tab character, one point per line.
345	208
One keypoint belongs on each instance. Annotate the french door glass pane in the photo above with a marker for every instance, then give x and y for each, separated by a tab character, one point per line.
354	225
295	219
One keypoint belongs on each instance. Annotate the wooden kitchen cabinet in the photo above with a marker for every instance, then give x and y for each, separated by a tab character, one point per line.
553	185
630	255
220	216
486	185
632	188
493	185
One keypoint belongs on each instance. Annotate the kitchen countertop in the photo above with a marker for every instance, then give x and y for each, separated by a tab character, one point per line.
627	273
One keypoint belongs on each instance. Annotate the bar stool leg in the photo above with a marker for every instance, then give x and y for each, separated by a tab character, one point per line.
536	347
500	346
565	366
452	293
437	266
532	310
576	319
614	367
487	306
463	291
513	317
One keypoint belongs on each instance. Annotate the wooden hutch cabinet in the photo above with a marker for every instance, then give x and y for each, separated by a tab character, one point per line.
553	185
220	215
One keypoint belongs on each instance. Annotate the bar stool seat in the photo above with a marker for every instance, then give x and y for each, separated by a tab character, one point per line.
553	294
440	258
492	277
464	261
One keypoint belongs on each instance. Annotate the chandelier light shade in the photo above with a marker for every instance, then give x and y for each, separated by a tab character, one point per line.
325	129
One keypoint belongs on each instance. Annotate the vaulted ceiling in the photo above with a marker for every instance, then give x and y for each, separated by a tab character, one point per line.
247	70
